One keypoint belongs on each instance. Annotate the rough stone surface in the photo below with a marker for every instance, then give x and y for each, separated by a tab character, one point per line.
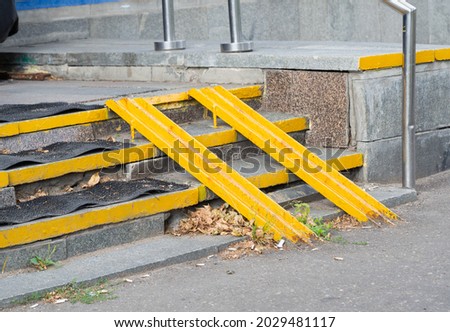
122	27
7	197
113	235
376	108
39	139
50	31
19	257
320	20
383	158
85	241
321	96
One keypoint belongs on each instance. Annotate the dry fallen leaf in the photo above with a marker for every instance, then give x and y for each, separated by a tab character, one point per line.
42	150
111	139
68	189
94	180
5	151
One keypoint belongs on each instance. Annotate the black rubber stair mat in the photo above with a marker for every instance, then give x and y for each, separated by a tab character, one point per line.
100	195
20	112
57	151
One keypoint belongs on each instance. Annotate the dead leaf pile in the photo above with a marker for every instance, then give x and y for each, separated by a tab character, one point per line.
226	221
215	221
346	222
39	193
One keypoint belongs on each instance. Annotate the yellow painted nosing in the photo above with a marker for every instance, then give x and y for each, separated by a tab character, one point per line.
51	122
123	156
380	61
383	61
424	56
347	162
4	179
54	227
442	54
177	100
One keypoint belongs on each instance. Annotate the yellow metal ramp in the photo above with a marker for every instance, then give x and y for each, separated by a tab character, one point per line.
209	169
294	156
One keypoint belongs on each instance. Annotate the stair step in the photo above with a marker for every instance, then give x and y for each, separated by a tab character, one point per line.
202	130
267	174
116	262
33	122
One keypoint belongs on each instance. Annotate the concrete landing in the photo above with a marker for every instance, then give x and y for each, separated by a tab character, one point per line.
201	61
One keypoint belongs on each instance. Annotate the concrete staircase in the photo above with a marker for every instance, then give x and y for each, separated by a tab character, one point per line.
92	228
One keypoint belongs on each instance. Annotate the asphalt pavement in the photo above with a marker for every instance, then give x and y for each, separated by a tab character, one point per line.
392	268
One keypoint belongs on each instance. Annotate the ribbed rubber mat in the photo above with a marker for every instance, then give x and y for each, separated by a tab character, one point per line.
101	195
20	112
57	151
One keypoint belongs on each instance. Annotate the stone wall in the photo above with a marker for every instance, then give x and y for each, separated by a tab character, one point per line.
318	20
363	110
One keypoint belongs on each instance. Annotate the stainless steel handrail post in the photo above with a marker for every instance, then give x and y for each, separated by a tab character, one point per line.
169	42
237	43
409	86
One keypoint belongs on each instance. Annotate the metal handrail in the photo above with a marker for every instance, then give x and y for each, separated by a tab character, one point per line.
409	86
237	41
169	42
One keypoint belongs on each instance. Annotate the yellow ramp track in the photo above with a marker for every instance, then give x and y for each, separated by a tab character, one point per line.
209	169
291	154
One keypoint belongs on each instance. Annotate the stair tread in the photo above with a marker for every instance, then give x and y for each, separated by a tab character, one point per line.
202	130
56	152
21	112
102	194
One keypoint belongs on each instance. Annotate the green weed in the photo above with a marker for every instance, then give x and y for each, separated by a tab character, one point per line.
42	263
317	225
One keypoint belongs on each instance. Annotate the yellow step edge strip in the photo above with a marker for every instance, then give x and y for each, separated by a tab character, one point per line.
86	117
247	92
116	157
306	165
442	54
54	227
52	122
210	170
383	61
46	229
80	164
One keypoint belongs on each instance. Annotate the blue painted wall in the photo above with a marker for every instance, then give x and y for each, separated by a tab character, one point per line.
35	4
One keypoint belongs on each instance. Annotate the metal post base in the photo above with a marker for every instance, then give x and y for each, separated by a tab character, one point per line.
170	45
236	47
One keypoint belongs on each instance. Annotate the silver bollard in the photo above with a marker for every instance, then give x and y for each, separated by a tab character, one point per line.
409	86
169	42
237	44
